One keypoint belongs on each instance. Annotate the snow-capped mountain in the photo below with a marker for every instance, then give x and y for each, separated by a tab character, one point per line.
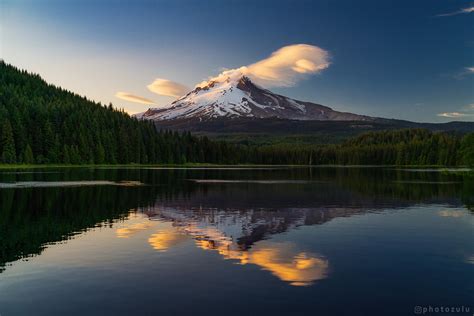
233	95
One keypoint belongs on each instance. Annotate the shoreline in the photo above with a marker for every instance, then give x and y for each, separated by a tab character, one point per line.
210	165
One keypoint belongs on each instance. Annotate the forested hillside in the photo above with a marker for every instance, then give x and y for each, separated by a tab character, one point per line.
41	124
399	147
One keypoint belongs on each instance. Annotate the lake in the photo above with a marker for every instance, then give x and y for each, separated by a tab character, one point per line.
235	241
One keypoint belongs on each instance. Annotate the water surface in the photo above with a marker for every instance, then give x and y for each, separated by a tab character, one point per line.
270	241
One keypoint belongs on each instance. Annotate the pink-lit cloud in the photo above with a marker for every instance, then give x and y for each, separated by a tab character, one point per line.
167	88
284	67
133	98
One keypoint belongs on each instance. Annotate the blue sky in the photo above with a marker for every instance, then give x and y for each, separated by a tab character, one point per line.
406	59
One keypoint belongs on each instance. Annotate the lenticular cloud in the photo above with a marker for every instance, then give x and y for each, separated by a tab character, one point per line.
284	67
167	88
288	65
133	98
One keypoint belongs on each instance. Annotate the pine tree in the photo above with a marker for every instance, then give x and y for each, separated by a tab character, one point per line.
48	142
467	149
28	155
7	144
100	154
66	156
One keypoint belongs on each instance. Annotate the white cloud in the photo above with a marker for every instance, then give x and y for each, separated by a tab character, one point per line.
284	67
466	71
133	98
470	259
167	88
469	109
462	11
468	10
454	114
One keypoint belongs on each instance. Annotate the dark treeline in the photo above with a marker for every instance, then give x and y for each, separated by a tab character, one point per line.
44	124
402	147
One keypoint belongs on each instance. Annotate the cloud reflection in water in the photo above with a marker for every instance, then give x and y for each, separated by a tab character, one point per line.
224	231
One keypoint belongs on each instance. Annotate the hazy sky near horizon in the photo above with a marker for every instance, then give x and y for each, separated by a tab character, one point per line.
401	59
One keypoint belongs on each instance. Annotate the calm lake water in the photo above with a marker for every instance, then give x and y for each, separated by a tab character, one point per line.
268	241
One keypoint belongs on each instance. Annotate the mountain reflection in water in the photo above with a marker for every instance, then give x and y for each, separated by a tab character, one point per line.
233	212
284	241
233	235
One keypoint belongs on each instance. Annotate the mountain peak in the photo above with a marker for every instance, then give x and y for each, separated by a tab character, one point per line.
233	95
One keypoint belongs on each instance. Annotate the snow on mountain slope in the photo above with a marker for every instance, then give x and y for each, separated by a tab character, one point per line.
232	95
